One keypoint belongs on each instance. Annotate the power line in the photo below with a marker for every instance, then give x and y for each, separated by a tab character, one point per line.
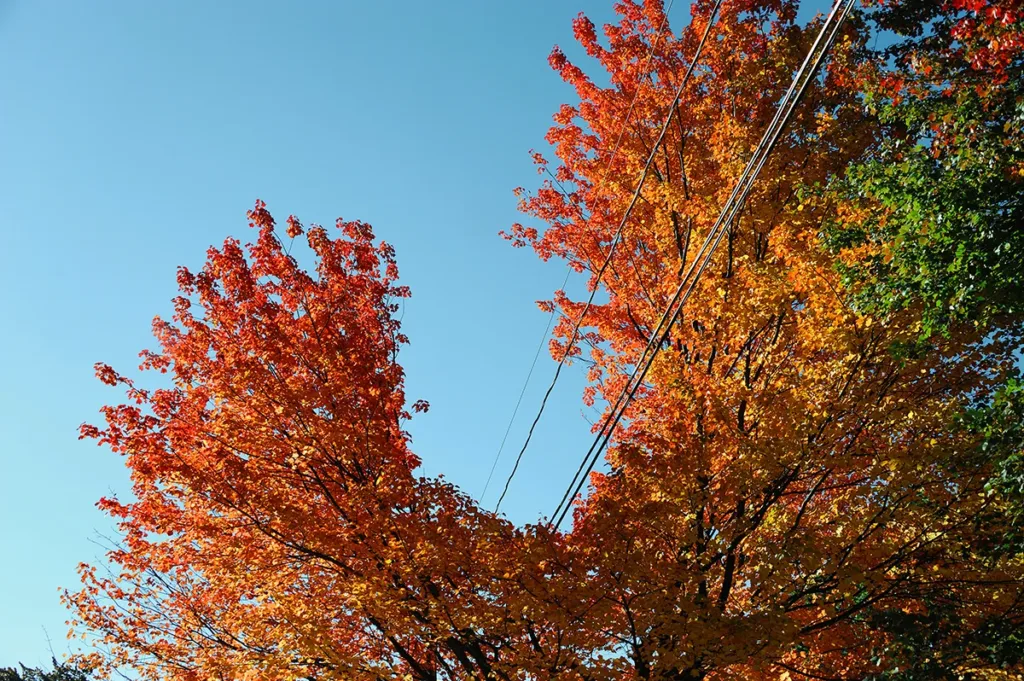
615	241
737	198
526	383
551	318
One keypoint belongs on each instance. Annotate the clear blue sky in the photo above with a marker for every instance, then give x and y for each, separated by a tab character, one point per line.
134	135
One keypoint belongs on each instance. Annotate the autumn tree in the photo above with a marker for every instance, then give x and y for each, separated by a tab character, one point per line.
277	528
804	487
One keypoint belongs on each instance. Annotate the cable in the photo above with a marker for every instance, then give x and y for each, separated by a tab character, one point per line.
526	383
615	241
735	202
604	175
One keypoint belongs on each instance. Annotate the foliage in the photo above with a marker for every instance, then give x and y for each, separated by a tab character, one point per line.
934	216
931	219
936	645
1000	425
277	525
61	672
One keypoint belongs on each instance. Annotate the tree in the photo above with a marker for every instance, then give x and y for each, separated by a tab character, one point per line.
61	672
933	215
800	482
277	524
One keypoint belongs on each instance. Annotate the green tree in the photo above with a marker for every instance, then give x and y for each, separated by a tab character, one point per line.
60	672
934	215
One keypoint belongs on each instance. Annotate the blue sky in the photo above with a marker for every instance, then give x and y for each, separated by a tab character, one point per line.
135	135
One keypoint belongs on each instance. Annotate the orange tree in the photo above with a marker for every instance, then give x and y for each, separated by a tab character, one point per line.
277	529
798	472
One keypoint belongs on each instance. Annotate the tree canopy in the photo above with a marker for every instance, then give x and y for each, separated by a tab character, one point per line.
61	671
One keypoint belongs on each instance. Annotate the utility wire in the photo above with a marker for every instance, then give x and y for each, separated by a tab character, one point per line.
526	383
615	241
737	198
551	318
